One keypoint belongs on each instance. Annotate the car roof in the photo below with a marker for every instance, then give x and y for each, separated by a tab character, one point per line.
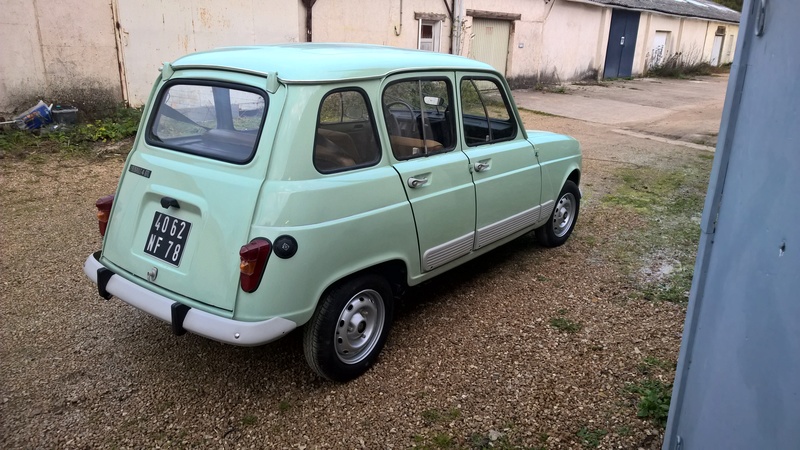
318	62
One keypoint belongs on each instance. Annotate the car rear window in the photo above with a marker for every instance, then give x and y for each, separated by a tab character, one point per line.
218	121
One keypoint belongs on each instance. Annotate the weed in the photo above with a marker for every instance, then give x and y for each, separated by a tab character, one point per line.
442	440
495	440
683	65
539	113
566	325
653	399
439	440
591	438
431	415
553	88
453	413
249	420
651	362
284	406
624	430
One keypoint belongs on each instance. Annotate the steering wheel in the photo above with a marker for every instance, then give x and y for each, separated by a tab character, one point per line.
410	111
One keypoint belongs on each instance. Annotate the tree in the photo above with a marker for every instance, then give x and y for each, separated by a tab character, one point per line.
735	5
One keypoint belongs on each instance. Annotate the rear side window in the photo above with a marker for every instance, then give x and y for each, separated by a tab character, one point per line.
217	121
345	137
486	112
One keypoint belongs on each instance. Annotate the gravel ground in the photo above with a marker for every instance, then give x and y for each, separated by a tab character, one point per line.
472	361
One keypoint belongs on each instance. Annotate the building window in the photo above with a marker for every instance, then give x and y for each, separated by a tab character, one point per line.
429	32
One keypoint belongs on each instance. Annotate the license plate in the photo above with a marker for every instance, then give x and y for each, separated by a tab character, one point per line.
167	238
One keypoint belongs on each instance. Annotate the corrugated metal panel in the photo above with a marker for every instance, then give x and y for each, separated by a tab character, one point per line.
738	377
490	43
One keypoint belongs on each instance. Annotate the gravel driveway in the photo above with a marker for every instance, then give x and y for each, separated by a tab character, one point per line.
473	360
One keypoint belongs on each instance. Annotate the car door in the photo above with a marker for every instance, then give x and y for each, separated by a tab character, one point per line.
505	169
421	128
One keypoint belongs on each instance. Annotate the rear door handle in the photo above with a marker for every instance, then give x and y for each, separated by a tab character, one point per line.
414	183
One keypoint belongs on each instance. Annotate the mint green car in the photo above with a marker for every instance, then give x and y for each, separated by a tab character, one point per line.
309	184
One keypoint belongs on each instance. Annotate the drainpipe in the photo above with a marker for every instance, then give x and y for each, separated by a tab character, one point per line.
123	76
458	14
309	4
449	10
399	30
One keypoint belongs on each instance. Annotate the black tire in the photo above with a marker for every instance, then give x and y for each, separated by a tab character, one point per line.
349	328
563	218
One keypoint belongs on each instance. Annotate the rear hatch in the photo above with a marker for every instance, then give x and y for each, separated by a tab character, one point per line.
185	201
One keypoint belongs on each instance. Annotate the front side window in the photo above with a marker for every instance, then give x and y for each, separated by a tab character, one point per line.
345	136
486	112
217	121
419	117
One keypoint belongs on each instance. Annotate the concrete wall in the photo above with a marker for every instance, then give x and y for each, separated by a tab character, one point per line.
61	51
693	38
154	31
728	44
573	42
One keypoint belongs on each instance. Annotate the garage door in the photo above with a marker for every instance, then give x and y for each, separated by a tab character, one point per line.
490	43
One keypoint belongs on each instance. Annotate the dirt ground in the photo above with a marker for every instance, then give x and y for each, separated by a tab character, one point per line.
473	360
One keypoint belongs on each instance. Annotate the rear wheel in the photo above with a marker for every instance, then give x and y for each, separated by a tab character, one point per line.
562	220
348	329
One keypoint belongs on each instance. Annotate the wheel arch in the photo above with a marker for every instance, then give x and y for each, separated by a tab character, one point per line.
575	177
394	271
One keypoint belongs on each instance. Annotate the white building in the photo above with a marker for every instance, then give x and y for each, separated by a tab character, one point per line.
100	52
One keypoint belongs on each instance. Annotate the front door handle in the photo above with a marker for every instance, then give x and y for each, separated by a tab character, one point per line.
416	182
481	166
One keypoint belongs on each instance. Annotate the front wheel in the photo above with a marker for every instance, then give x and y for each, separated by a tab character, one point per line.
562	220
349	327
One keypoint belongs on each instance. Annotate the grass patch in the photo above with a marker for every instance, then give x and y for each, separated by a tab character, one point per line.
433	415
591	438
651	364
437	441
538	113
659	255
71	140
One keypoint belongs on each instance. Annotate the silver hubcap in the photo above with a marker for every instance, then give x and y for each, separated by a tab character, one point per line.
564	214
359	327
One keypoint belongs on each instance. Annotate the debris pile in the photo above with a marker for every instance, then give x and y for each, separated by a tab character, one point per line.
43	114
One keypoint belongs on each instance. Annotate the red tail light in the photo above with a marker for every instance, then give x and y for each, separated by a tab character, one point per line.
254	258
103	212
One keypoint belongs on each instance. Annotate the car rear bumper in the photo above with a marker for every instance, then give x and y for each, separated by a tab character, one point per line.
182	317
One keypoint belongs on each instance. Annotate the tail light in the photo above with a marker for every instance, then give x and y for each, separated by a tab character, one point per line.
254	258
103	212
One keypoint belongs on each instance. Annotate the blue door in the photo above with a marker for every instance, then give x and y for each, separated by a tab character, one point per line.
621	43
